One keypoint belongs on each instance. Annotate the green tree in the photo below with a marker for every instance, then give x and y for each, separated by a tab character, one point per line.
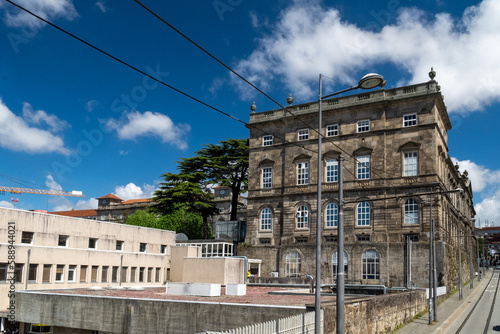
142	218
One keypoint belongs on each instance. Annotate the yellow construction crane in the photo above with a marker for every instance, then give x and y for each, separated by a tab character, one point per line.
14	190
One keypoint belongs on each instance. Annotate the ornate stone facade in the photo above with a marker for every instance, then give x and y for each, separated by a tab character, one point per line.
395	148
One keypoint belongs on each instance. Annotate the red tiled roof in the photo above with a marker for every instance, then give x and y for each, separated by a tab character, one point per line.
111	196
139	200
76	213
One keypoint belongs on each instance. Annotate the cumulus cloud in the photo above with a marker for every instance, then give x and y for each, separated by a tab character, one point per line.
308	39
53	9
5	204
90	203
28	139
132	191
150	124
51	183
40	117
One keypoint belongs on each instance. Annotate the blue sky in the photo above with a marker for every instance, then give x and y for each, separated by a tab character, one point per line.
74	119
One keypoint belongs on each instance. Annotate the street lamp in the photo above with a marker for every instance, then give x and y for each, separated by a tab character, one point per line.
369	81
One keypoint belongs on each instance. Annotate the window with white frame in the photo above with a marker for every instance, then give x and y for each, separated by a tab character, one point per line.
364	125
142	247
371	264
332	215
47	273
27	237
335	262
332	130
410	164
303	173
411	211
302	217
409	120
72	273
266	217
60	273
363	214
3	272
33	273
119	245
63	241
267	177
267	140
292	264
363	170
303	134
332	170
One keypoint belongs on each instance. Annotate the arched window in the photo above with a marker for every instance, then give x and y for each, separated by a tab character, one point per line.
334	264
302	217
363	214
411	211
292	264
266	218
332	215
371	264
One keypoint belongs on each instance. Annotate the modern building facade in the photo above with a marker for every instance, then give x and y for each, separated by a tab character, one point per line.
397	175
47	251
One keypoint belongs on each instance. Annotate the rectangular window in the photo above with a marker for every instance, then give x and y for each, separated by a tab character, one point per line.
124	274
93	243
267	140
103	217
18	272
157	275
3	272
141	274
332	130
142	247
133	271
60	273
47	271
114	274
104	274
265	241
27	237
332	170
301	240
303	173
93	274
410	164
72	273
150	275
83	274
364	126
363	167
409	120
119	245
267	177
303	134
363	237
33	273
63	241
163	249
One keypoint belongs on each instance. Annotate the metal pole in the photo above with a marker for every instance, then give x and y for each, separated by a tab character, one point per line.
471	267
317	300
478	260
340	252
434	272
430	265
27	270
459	261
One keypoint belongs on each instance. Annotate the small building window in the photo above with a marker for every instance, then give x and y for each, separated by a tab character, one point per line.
331	239
332	170
18	272
150	275
265	241
60	273
410	164
363	170
292	264
163	249
332	215
83	273
93	274
412	237
142	247
371	264
27	237
363	126
267	140
3	272
63	241
335	262
133	272
363	237
123	277
409	120
33	273
93	243
47	272
266	218
411	211
267	177
303	173
157	275
363	214
119	245
104	274
141	274
302	217
303	134
72	273
332	130
301	240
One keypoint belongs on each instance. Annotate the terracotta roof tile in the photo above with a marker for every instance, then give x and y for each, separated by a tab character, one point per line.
111	196
76	213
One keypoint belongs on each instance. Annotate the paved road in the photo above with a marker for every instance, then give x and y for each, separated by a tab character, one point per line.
482	316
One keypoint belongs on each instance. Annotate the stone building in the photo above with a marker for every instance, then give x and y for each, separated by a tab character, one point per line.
222	225
396	164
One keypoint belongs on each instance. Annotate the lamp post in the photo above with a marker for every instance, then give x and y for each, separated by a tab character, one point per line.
369	81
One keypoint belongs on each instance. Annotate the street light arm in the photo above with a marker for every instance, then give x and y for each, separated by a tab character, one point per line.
340	92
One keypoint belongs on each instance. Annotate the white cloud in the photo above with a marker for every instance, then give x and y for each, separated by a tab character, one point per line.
17	135
51	183
150	124
131	191
102	7
91	105
82	204
5	204
480	176
47	9
39	117
309	39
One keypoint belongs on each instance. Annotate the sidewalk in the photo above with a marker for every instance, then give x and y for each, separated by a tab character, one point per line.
449	310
